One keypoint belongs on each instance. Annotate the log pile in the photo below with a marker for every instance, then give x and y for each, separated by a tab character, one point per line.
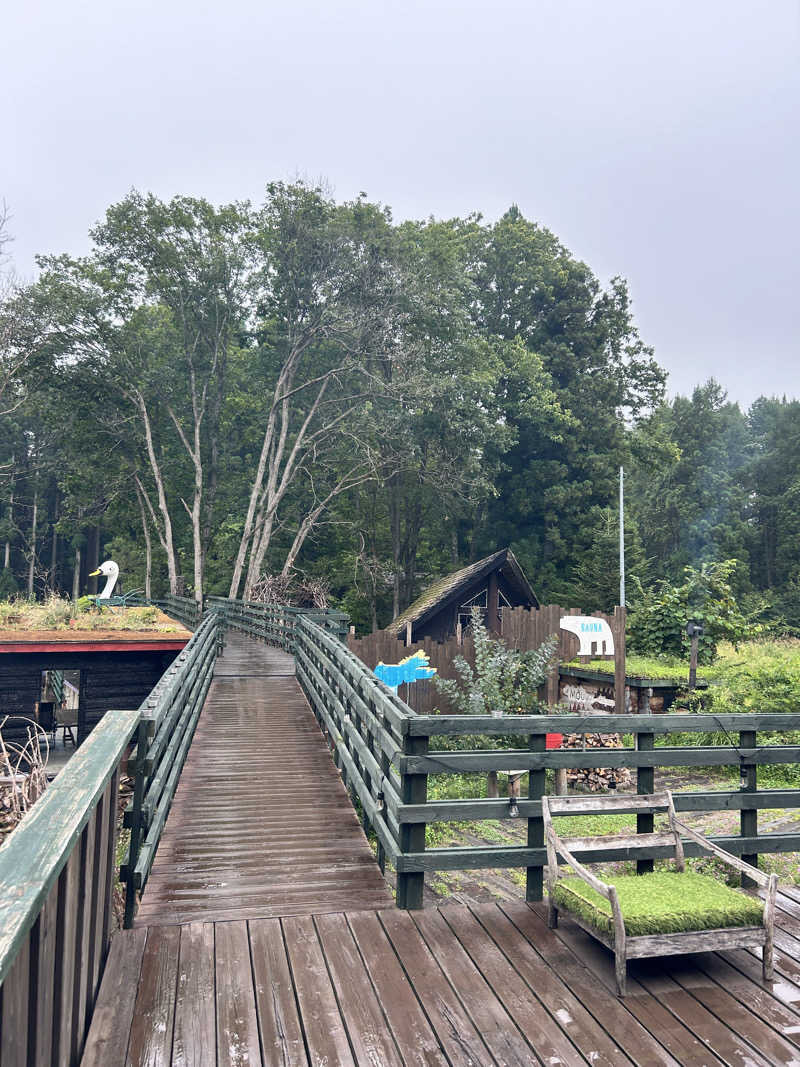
596	778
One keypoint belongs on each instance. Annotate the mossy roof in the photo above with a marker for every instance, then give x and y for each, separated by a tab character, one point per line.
661	903
446	589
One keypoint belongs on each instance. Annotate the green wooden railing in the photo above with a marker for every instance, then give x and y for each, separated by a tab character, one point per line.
274	623
384	750
182	608
56	907
743	752
168	719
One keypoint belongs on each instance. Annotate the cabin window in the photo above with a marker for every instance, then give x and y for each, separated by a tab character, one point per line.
481	600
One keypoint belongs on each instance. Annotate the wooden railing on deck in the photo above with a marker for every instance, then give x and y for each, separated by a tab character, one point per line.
384	750
168	720
56	908
182	608
274	623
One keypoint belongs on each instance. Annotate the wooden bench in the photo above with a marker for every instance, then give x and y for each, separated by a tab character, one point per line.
692	901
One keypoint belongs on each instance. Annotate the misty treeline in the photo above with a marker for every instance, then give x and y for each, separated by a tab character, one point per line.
215	394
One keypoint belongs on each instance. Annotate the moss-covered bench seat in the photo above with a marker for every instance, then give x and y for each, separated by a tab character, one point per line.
656	914
663	903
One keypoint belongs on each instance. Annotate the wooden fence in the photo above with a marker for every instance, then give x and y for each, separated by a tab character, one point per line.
387	753
56	909
274	623
522	629
182	608
167	723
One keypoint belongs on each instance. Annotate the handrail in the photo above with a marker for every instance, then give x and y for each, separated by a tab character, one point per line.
274	623
383	750
184	609
168	719
56	877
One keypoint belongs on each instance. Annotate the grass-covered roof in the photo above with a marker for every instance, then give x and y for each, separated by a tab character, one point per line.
445	590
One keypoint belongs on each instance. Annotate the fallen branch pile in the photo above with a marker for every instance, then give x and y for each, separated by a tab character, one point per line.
23	776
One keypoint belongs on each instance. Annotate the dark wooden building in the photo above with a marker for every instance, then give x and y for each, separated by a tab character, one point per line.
116	672
494	585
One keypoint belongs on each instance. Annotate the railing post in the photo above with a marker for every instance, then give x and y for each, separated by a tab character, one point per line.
748	816
413	790
645	783
536	788
136	822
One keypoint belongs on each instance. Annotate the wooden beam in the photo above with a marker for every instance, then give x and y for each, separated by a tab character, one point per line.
493	604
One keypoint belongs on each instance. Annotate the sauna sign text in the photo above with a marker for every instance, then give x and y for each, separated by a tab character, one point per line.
590	632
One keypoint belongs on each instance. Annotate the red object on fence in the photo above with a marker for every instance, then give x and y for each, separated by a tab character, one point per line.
553	740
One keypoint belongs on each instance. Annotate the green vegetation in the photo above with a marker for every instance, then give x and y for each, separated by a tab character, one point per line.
504	679
457	386
657	668
657	623
760	675
661	903
55	613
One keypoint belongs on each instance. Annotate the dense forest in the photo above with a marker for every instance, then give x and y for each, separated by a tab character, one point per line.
307	387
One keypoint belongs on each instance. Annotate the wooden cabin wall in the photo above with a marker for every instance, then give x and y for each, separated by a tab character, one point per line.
108	680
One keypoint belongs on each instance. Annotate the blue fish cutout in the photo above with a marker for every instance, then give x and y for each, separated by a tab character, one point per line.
410	669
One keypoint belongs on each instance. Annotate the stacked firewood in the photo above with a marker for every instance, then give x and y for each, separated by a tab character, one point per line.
596	778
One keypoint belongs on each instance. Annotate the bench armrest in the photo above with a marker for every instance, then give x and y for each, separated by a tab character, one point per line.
732	861
586	875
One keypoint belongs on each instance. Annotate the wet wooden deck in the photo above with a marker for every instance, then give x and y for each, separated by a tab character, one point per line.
454	985
267	936
261	824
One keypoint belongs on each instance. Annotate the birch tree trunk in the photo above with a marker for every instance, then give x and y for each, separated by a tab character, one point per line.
7	554
165	535
148	544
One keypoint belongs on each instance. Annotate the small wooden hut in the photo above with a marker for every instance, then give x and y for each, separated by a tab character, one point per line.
494	585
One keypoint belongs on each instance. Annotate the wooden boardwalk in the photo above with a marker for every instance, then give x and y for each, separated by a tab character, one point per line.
453	985
266	935
261	824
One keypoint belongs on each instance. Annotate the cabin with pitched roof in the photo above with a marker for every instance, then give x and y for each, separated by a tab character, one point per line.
494	584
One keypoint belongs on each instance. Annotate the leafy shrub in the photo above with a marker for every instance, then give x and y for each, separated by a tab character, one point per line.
657	622
504	679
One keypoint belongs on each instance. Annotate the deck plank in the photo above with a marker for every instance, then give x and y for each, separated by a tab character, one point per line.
278	1017
585	1032
454	1028
238	1042
150	1042
112	1018
550	1043
195	1030
325	1032
371	1039
412	1032
472	987
491	1019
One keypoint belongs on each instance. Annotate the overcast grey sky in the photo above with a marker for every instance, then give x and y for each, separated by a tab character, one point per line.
657	140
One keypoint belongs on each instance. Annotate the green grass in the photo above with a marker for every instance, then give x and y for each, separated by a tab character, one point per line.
761	675
661	903
657	668
55	613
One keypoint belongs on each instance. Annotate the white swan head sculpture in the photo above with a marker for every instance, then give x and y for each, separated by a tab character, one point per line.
111	572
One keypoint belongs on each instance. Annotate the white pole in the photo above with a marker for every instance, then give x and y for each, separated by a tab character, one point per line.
621	538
